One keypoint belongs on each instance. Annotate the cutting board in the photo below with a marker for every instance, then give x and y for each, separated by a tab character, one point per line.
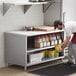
44	28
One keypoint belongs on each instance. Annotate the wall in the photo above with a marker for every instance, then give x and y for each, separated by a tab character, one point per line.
15	19
53	13
69	7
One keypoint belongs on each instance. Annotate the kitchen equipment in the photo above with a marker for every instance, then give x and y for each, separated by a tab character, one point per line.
28	28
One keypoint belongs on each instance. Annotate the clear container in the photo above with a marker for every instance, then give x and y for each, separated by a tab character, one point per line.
52	42
59	41
48	43
43	38
44	44
56	42
53	37
58	35
50	37
38	39
47	38
38	42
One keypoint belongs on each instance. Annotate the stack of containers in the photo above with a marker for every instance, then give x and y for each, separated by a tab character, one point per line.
42	41
53	39
45	52
53	54
59	43
58	38
49	40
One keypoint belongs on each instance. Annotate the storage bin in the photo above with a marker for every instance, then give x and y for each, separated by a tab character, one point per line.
37	57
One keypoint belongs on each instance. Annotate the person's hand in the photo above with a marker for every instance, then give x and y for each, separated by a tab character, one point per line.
61	50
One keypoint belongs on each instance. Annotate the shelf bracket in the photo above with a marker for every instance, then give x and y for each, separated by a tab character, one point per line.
6	7
26	7
46	6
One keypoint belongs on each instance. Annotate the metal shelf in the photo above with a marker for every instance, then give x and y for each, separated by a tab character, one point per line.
26	5
23	2
18	51
45	60
50	2
34	33
37	49
45	7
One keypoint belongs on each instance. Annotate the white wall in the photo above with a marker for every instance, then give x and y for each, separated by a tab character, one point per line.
15	19
52	14
69	7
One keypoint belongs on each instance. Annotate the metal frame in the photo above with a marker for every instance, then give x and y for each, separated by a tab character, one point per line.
45	7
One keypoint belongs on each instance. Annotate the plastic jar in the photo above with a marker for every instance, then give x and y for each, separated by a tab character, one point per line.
56	42
38	39
50	37
52	42
51	54
47	40
43	38
47	37
59	41
38	42
58	36
44	44
53	37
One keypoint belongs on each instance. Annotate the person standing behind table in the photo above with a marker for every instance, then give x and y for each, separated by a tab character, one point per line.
69	28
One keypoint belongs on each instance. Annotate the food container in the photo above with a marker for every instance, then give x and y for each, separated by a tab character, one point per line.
38	45
37	57
45	52
58	48
56	54
38	42
51	54
52	42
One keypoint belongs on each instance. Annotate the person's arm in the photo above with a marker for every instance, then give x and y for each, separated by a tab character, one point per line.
66	41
